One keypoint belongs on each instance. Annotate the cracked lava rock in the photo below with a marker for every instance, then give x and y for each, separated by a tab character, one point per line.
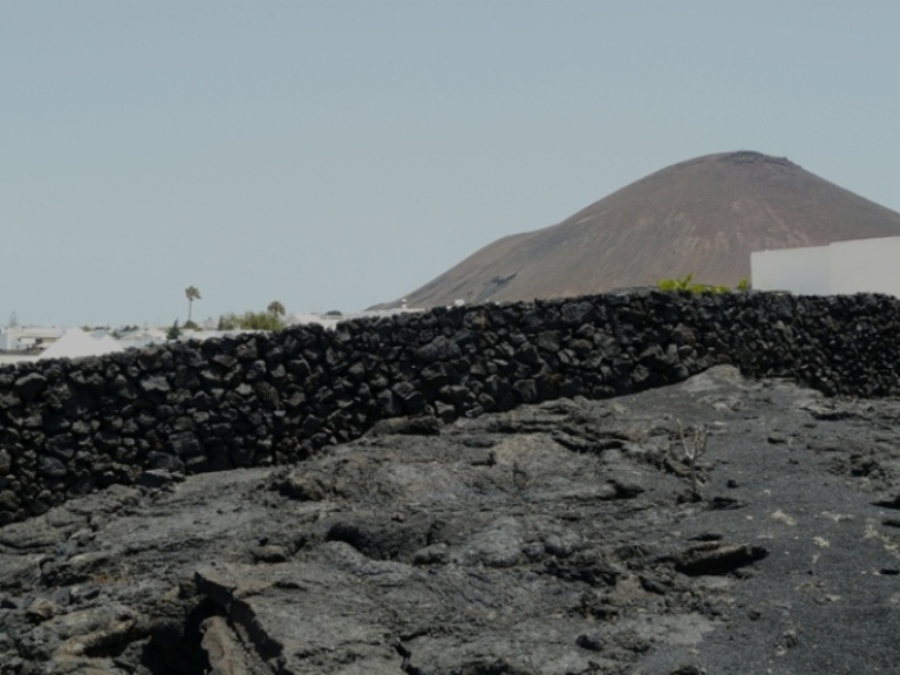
563	538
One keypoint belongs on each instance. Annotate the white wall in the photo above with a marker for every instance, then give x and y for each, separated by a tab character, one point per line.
865	266
799	270
843	267
24	337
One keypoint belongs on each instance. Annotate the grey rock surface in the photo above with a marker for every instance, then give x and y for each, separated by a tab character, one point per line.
563	538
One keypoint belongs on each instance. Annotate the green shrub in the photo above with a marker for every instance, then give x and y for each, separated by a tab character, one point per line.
251	321
687	283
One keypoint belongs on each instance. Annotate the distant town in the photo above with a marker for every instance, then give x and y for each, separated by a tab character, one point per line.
32	343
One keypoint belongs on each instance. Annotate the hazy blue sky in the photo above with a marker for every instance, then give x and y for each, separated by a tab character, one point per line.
336	154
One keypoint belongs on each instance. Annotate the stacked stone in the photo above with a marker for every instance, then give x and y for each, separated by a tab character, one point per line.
68	427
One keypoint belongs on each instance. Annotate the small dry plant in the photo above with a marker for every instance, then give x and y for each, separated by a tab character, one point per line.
692	452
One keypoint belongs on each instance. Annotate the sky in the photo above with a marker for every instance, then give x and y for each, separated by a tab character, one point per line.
335	154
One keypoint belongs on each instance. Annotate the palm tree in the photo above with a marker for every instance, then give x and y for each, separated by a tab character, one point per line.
192	294
275	308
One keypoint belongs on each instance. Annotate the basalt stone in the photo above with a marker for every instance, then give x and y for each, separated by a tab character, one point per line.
275	354
62	446
465	337
219	430
9	502
184	423
193	357
33	421
244	390
586	331
324	396
298	367
196	464
125	451
185	379
56	394
454	394
247	351
654	358
576	313
9	435
571	387
166	461
528	354
477	319
414	404
336	358
445	412
520	371
439	349
130	427
30	385
256	370
51	467
435	375
81	428
526	390
150	359
403	388
203	401
311	425
185	444
548	341
516	339
296	399
81	403
486	402
224	360
91	381
157	384
121	387
547	387
267	395
684	335
389	403
9	399
580	346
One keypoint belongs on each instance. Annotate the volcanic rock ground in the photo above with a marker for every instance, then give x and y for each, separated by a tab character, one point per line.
563	538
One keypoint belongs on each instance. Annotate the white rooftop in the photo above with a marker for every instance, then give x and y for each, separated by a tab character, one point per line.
76	343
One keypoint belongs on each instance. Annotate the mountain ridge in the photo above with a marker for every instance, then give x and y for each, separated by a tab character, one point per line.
703	216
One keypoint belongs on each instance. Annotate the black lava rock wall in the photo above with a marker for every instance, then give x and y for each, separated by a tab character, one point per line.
68	427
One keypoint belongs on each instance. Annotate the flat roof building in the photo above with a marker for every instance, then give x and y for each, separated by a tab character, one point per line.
839	268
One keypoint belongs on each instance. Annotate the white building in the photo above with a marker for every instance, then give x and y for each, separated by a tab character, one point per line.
332	319
22	338
842	267
76	344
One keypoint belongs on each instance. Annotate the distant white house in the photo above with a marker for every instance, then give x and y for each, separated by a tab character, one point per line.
75	343
23	338
842	267
31	344
140	337
330	320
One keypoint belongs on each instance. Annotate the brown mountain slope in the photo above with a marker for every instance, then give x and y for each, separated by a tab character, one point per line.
705	216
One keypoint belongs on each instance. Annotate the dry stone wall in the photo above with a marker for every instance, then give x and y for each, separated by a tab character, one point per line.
69	427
